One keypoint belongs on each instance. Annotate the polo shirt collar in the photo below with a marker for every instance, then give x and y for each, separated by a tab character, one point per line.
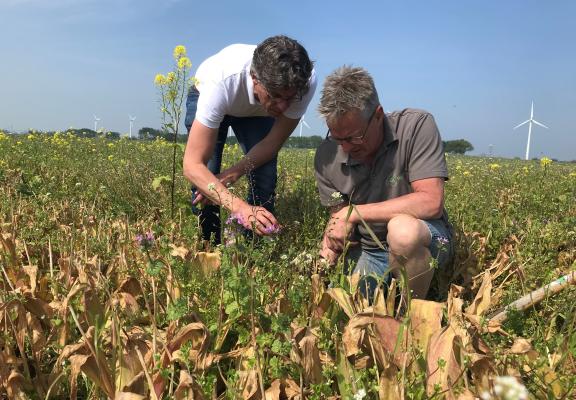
389	138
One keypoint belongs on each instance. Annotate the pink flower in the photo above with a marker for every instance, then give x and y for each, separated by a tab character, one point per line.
145	240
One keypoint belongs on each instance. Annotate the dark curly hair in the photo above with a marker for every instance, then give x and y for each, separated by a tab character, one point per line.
280	63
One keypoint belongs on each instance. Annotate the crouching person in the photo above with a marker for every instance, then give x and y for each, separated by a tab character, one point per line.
391	169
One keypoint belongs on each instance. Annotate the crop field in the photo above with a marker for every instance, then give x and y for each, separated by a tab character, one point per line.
105	294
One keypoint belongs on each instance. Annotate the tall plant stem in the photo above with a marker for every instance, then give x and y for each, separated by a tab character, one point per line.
172	185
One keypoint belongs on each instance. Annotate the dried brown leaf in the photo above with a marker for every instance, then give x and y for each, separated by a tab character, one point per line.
38	338
311	358
179	251
128	396
274	391
93	308
343	299
130	285
483	325
389	388
520	346
188	388
137	384
283	389
455	302
127	302
76	362
32	272
206	262
15	386
381	341
443	361
481	302
249	384
466	395
425	320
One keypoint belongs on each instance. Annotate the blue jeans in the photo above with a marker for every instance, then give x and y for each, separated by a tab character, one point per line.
373	267
261	181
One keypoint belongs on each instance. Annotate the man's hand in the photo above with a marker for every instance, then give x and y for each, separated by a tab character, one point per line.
338	230
256	218
330	256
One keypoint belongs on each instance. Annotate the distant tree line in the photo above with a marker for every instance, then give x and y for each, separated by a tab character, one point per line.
304	142
459	146
81	132
153	134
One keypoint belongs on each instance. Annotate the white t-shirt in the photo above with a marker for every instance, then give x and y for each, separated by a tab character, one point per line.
226	88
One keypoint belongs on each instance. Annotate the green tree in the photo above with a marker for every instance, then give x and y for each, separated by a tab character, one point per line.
459	146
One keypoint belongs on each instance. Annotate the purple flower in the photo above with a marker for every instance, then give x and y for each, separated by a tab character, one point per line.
235	218
145	240
272	229
442	240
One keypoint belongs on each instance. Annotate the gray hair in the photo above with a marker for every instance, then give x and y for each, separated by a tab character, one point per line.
346	89
281	63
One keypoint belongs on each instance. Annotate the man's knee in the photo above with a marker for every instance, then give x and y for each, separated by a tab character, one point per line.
407	234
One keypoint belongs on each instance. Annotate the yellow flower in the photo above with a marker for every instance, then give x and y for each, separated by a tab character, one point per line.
494	167
545	161
110	157
184	63
31	137
572	174
179	52
466	173
159	80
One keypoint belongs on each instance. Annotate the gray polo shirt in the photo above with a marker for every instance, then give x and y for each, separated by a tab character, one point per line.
411	150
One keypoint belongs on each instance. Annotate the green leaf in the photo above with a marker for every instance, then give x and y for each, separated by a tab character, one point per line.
157	182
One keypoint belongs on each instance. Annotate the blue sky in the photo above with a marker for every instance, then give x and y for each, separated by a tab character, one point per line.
476	66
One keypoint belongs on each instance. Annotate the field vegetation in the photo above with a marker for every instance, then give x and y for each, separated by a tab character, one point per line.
104	295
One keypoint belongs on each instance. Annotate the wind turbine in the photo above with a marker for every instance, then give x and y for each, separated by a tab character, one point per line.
96	119
302	122
132	119
529	122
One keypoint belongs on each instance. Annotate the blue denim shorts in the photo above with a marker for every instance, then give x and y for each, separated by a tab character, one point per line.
374	262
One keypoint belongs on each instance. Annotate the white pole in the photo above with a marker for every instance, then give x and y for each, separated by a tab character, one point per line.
529	134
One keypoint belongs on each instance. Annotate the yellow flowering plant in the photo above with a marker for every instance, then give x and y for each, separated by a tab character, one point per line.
173	88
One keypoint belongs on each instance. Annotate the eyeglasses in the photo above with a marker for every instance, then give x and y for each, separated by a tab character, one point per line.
352	139
276	98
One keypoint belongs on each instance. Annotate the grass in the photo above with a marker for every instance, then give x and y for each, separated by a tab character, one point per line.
88	310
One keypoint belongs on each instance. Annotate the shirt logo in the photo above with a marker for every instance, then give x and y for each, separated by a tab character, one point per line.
393	180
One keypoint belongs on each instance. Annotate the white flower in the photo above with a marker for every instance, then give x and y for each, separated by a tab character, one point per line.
336	196
508	388
360	394
211	186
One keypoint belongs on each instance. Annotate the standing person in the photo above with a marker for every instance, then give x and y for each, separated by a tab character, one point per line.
261	92
391	167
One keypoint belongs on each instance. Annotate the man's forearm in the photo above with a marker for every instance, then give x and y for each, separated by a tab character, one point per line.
210	186
419	205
